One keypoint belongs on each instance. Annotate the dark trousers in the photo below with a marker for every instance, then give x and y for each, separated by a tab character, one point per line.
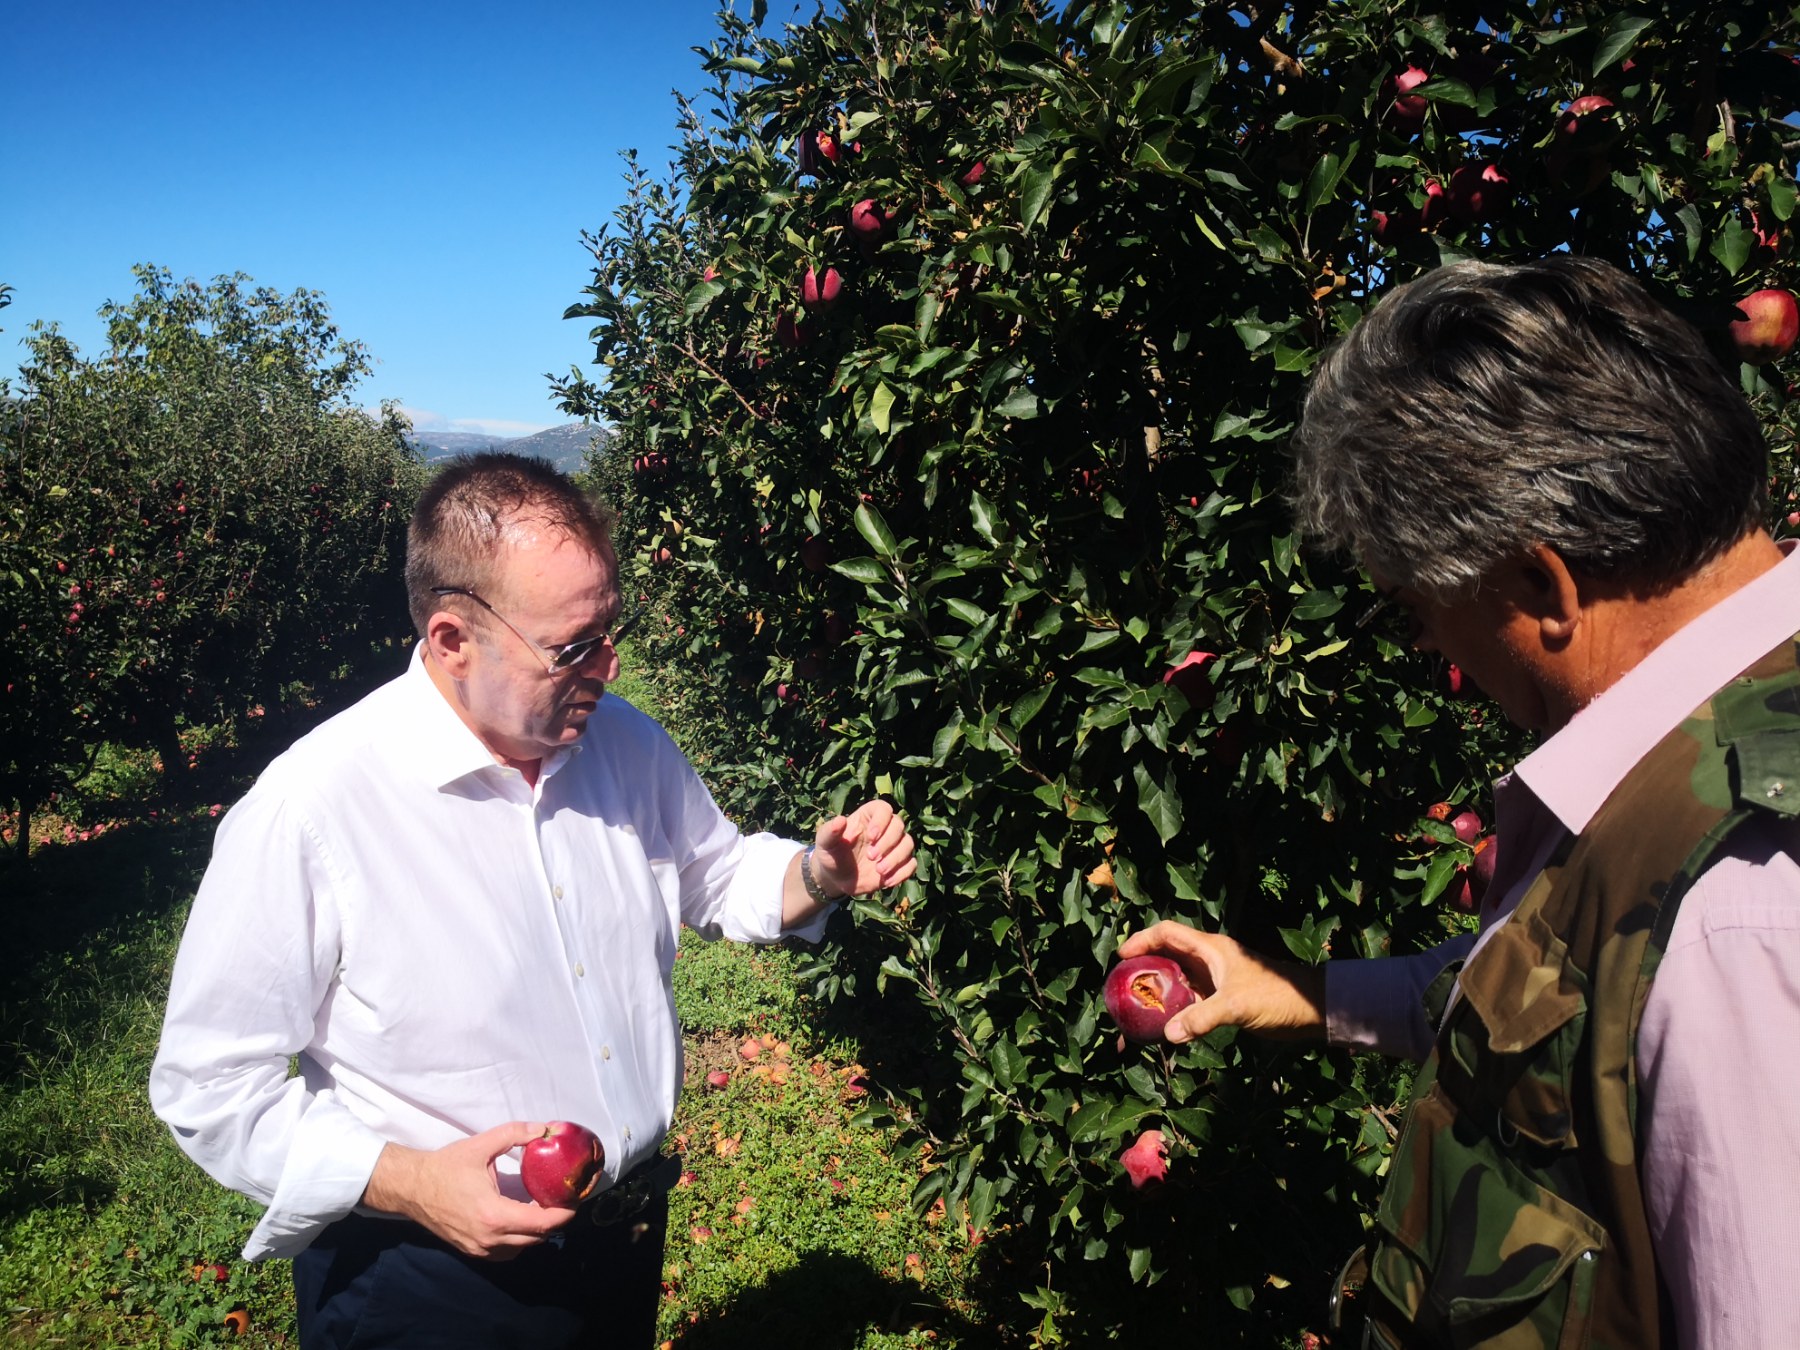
370	1284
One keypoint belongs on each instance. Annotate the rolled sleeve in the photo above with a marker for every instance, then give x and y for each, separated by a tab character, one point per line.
1379	1004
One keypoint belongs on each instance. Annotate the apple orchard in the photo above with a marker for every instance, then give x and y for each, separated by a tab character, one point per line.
952	367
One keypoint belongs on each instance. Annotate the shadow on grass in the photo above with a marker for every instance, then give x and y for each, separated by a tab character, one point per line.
829	1302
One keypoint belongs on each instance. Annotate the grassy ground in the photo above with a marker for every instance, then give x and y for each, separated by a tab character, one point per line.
792	1223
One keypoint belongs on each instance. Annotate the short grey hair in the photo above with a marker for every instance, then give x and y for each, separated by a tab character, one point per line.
458	528
1482	409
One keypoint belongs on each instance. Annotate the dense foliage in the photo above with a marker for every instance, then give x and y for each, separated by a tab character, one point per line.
190	523
953	509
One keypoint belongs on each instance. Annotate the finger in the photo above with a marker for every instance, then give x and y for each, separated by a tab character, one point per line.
504	1138
899	875
892	832
1165	936
832	832
892	861
1196	1020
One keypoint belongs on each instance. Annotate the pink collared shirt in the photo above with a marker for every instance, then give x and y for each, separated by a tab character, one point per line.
1720	1099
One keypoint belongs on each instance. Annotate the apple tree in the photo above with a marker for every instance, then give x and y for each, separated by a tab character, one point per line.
194	521
951	371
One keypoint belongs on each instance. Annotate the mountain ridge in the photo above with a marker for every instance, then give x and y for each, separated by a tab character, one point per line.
565	446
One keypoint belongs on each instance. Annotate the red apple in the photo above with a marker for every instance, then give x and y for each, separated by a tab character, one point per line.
828	147
1467	826
718	1079
1769	325
1145	992
790	334
1146	1162
1437	205
1439	810
1408	108
815	554
973	174
820	293
1478	192
1393	226
1481	870
868	222
1589	125
1189	676
562	1166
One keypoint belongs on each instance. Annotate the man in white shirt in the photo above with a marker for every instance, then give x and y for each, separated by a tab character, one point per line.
457	903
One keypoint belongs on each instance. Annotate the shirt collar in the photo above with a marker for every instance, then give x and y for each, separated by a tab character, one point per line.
1576	770
441	746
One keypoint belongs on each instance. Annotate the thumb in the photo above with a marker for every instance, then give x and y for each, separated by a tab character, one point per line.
834	831
505	1138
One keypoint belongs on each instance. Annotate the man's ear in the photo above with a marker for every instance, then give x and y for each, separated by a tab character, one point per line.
451	643
1546	591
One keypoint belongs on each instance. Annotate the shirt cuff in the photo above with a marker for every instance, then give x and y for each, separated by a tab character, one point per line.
758	892
328	1166
1378	1004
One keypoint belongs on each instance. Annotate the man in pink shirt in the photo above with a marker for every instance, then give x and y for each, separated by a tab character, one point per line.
1563	490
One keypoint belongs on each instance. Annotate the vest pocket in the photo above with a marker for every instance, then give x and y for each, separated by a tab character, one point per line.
1474	1252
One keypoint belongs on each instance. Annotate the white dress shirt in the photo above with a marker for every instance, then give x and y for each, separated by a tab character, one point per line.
445	948
1719	1119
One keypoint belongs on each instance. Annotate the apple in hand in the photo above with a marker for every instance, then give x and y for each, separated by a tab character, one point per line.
562	1165
1768	328
1143	993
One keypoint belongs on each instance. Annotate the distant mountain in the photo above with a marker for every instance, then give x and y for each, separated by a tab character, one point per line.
566	446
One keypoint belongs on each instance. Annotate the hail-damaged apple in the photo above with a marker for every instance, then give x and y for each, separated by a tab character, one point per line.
1143	993
562	1165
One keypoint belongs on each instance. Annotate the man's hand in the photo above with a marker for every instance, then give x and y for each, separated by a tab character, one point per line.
868	850
453	1192
1236	987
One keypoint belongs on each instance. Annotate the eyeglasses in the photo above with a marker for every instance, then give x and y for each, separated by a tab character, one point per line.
1398	624
565	656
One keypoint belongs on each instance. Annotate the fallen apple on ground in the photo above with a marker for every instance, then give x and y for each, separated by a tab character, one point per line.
562	1165
1143	993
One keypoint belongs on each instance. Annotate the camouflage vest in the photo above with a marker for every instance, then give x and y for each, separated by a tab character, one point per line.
1513	1214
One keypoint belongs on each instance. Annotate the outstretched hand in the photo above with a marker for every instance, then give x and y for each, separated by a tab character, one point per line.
867	850
453	1191
1236	987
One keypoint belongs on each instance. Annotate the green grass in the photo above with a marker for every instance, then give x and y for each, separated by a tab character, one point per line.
102	1220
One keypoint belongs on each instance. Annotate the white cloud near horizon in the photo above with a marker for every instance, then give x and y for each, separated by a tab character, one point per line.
423	419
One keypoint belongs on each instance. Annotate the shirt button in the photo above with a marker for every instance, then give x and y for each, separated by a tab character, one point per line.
556	891
606	1052
580	970
628	1135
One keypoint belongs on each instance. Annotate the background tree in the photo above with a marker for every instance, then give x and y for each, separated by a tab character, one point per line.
951	372
189	524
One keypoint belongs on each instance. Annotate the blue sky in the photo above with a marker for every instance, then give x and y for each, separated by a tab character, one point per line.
429	167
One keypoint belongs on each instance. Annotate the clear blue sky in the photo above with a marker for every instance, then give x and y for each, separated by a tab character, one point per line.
429	167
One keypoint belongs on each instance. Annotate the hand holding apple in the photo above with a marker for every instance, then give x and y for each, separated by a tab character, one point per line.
453	1191
1236	987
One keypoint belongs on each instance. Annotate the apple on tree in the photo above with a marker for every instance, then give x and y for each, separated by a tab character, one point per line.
1146	1162
1768	325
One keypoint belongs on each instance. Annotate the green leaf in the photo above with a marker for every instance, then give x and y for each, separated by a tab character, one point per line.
1035	184
1029	704
881	403
865	570
1159	801
981	513
1618	38
1020	404
700	296
874	529
1731	245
